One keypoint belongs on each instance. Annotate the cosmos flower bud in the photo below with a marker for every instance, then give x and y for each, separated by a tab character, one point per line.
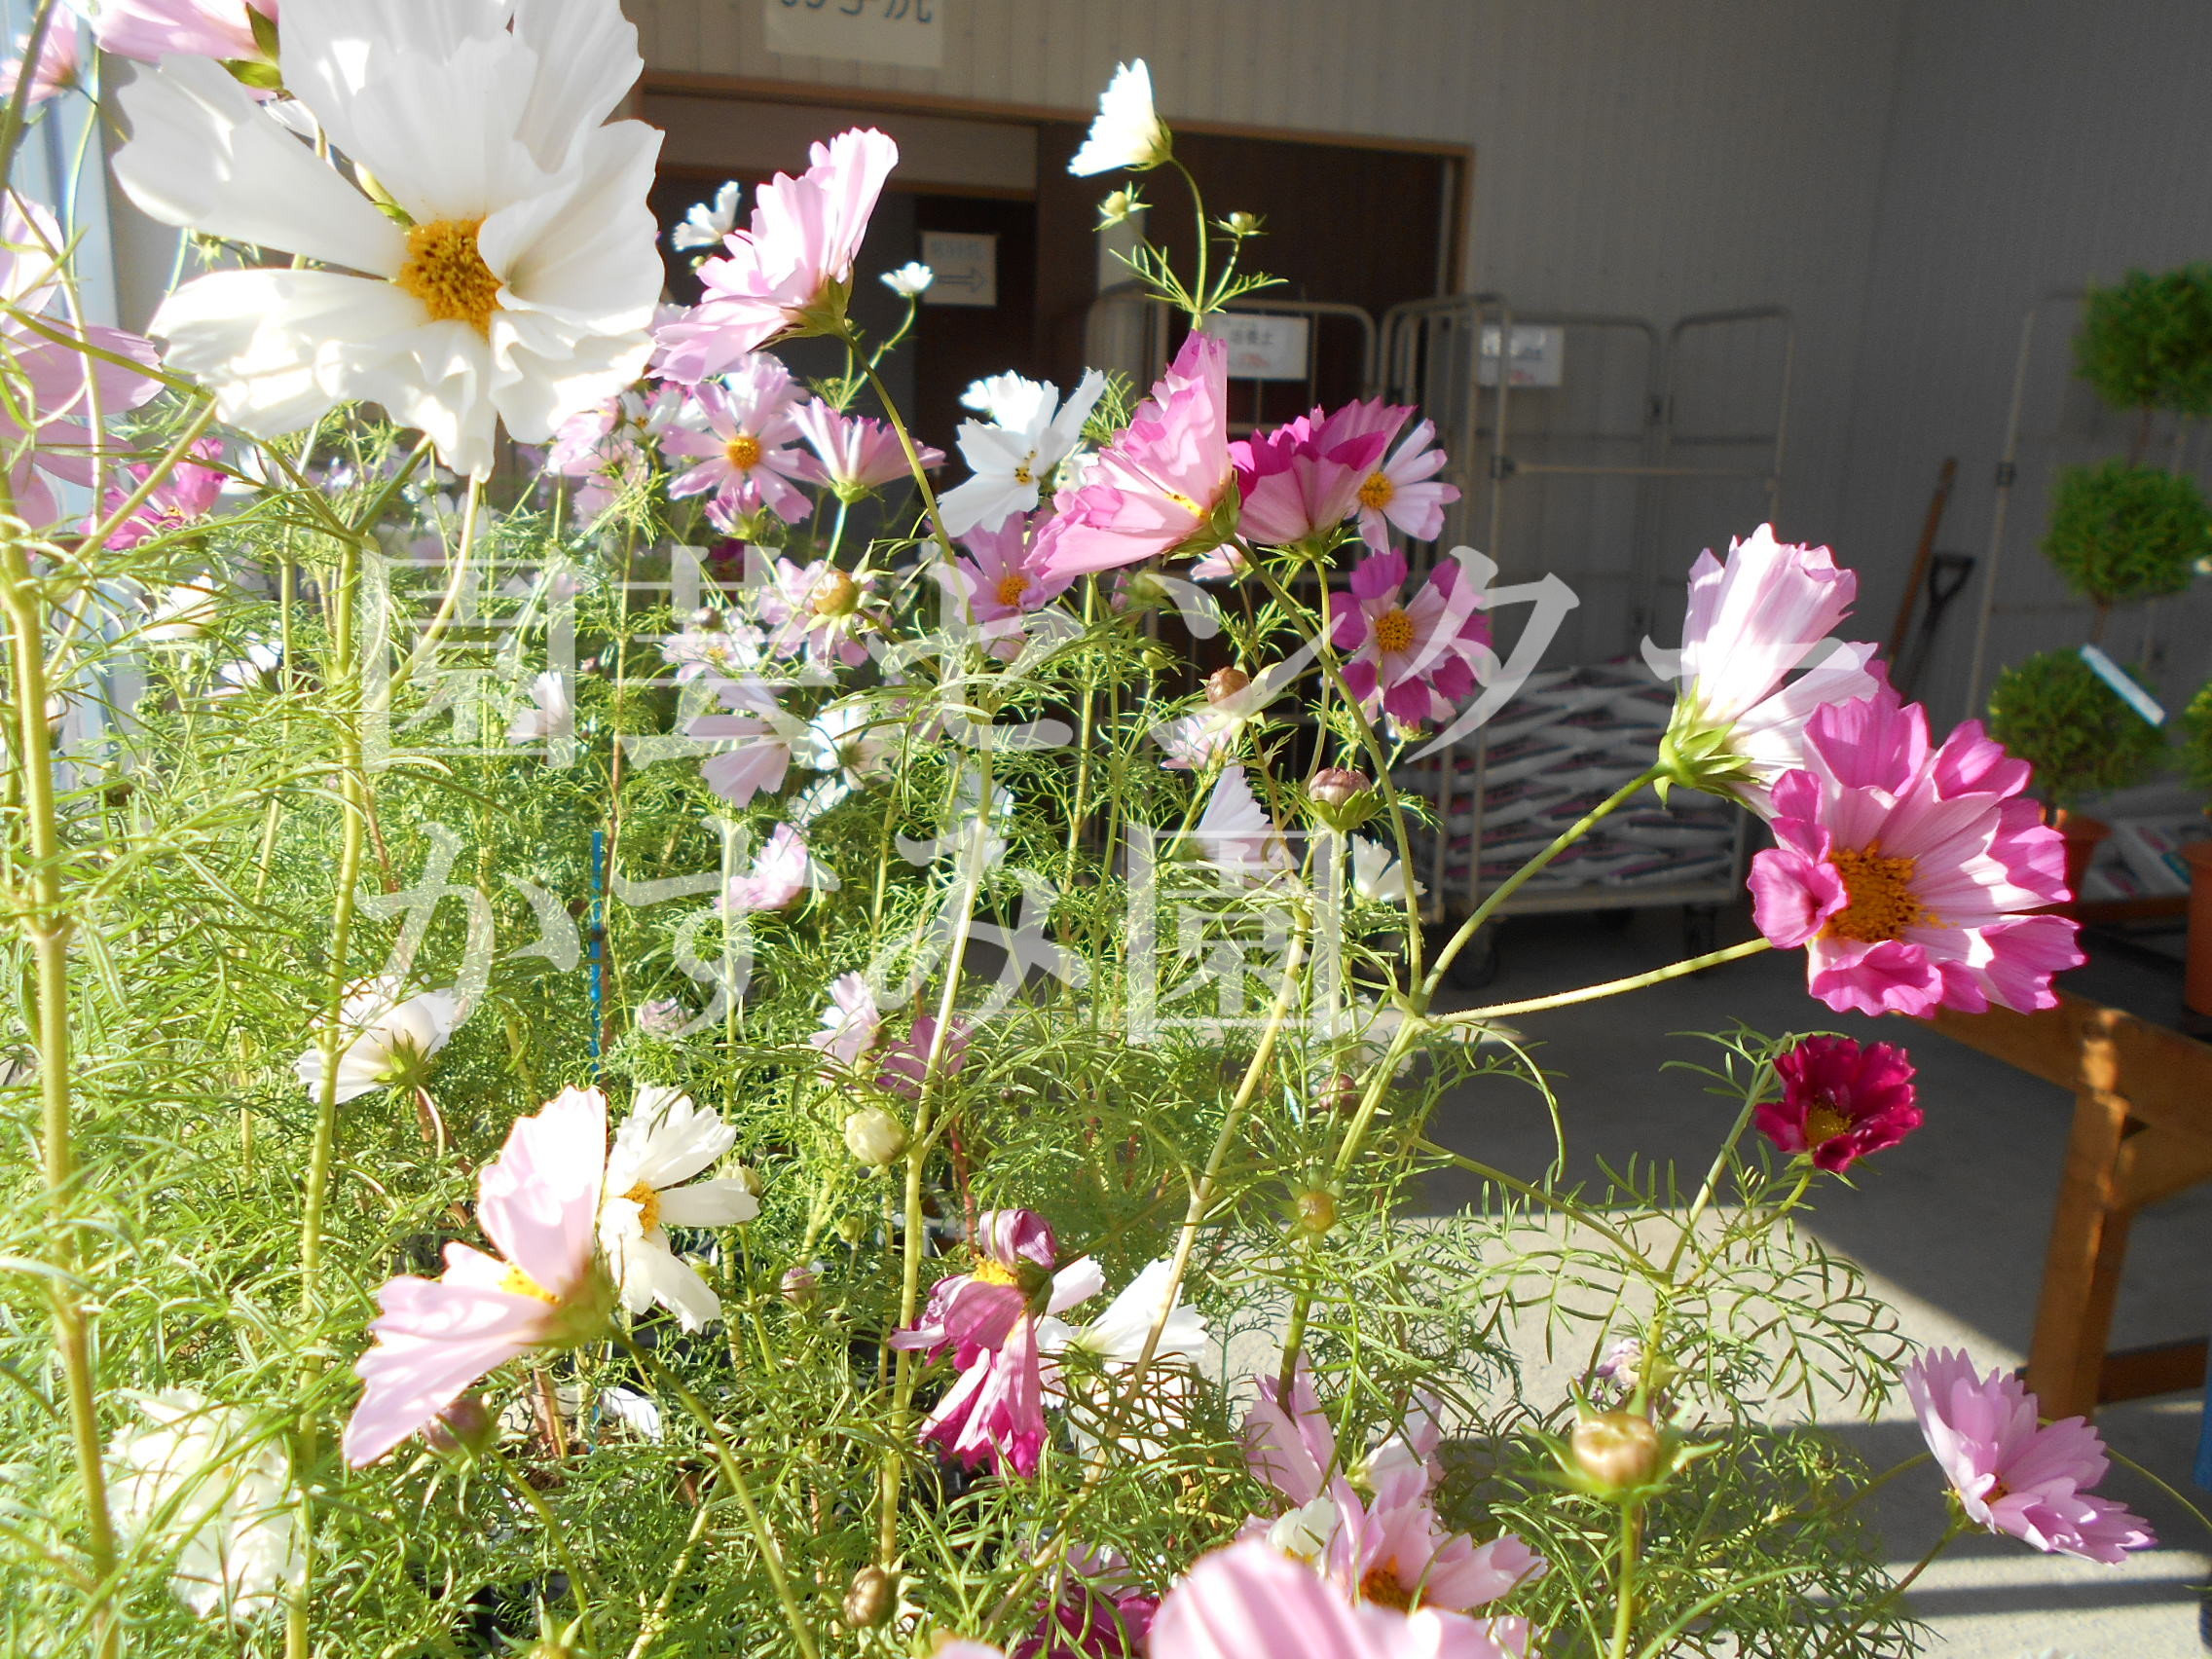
1332	786
1118	206
1224	683
1616	1448
1314	1212
834	595
801	1286
707	619
1242	224
465	1423
875	1136
663	1016
870	1596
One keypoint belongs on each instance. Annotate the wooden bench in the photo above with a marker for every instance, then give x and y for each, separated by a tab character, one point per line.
2141	1132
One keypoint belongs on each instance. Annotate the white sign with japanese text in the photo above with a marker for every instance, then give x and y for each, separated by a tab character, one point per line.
908	33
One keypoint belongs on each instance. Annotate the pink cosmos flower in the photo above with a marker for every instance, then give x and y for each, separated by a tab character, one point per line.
2012	1475
1840	1101
906	1062
1908	874
58	394
59	65
761	735
1305	477
1251	1598
850	1025
1412	657
1739	719
853	455
813	608
790	271
1403	492
1156	485
994	1414
149	30
1236	834
606	446
1001	579
539	1202
738	457
1093	1612
1391	1549
781	871
183	496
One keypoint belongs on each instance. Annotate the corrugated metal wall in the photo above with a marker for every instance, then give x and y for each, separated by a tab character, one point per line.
1630	157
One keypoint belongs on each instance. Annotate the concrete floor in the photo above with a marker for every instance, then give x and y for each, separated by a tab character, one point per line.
1951	1227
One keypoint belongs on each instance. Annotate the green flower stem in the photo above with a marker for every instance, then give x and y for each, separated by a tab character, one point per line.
1551	1201
771	1554
96	537
580	1586
47	922
1959	1526
1624	1582
913	456
650	1628
1199	306
1609	987
1513	883
459	575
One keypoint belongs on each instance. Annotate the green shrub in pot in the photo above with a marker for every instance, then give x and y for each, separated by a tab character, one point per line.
2121	532
2080	736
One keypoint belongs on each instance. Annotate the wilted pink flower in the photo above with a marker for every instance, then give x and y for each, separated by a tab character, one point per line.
781	871
1403	492
1840	1101
59	68
539	1202
1412	657
814	608
995	1413
790	271
1092	1612
1304	477
1156	485
1251	1598
2012	1475
906	1062
741	456
1908	875
184	496
850	1023
853	455
149	30
604	446
1739	719
760	734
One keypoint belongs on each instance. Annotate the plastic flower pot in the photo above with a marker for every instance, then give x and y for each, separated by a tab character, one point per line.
2083	835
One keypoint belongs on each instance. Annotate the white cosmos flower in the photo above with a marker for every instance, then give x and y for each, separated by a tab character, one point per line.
1234	832
206	1482
1014	453
389	1037
1128	131
910	280
552	710
520	286
708	221
1374	873
1115	1341
663	1143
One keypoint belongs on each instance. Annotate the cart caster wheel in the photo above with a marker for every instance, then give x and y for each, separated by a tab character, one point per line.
1475	966
1701	930
1616	920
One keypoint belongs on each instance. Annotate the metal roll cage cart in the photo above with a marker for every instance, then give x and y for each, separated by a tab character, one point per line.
1432	352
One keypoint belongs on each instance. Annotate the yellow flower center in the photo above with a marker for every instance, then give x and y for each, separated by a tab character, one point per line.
1022	473
446	271
1823	1123
1393	629
744	452
1379	1585
1378	491
516	1282
647	1202
1012	586
988	1271
1879	898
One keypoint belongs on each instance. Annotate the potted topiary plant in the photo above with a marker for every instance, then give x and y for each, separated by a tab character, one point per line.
2197	767
2120	531
2146	344
2082	737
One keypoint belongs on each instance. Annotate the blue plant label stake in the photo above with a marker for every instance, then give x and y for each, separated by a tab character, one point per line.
2115	676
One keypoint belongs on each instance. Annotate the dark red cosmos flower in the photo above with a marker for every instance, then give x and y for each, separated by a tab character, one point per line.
1840	1101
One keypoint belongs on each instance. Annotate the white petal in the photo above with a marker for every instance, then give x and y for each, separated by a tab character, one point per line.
1077	1282
707	1203
439	132
202	153
587	58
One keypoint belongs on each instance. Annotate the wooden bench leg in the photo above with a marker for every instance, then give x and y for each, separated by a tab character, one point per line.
2080	1279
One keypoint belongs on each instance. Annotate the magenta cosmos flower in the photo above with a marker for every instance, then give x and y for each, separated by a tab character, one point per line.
183	497
2012	1475
994	1414
906	1062
1305	477
789	273
1840	1101
1739	719
539	1202
1251	1598
1908	874
1156	485
1093	1612
1412	657
742	455
59	66
1403	491
1392	1549
853	455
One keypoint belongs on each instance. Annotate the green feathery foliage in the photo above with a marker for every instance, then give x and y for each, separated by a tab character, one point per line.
2080	736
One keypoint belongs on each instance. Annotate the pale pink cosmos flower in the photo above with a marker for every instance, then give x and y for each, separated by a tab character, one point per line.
994	1415
1251	1598
149	30
1412	657
1911	874
184	496
781	871
906	1062
539	1202
2012	1475
59	65
760	734
742	455
853	453
1304	478
814	608
789	271
1194	741
1403	491
851	1024
1750	624
605	447
1000	578
1155	487
1235	834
